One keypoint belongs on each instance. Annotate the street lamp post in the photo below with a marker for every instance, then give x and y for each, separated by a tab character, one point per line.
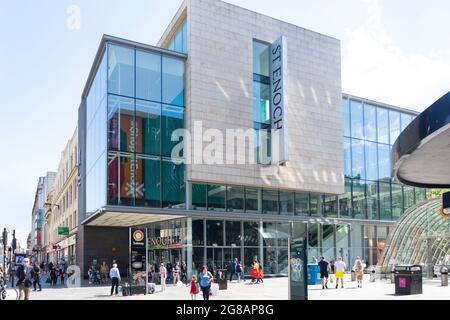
5	243
12	264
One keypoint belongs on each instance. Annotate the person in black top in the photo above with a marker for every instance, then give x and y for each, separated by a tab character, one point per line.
36	273
323	267
169	268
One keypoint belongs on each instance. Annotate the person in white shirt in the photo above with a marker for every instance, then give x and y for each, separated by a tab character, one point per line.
114	274
163	276
339	267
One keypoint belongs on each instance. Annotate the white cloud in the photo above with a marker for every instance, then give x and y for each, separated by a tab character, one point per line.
374	67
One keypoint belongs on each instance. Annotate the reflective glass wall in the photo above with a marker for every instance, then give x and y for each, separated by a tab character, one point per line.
145	106
179	40
370	131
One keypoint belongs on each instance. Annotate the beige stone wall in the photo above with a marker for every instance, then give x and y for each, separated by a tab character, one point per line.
219	93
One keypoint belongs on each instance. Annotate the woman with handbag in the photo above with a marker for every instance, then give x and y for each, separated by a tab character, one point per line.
206	278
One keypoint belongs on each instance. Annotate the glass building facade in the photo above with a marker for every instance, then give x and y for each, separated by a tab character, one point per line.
135	103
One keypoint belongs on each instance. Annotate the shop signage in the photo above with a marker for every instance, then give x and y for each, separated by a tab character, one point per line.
445	209
63	230
278	101
138	260
168	239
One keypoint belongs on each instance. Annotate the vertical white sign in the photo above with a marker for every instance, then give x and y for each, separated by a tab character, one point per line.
278	101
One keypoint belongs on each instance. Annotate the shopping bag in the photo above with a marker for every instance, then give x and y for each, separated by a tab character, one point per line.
214	289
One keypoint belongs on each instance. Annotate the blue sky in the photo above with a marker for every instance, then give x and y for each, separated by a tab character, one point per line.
392	51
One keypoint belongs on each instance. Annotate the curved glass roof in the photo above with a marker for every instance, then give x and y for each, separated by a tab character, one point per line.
420	232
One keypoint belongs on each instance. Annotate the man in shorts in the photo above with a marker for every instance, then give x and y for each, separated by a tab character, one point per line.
339	268
323	267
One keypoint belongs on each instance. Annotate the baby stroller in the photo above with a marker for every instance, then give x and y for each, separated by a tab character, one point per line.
96	278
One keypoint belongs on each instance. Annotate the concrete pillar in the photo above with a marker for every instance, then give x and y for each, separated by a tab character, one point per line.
189	247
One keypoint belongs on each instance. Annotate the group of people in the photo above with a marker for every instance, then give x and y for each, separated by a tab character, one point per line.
99	275
168	272
55	272
338	269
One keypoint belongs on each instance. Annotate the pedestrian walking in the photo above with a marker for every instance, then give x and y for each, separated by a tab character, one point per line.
62	275
176	273
169	267
205	278
53	276
239	271
25	279
324	272
104	270
163	276
184	272
194	288
114	274
233	272
359	271
340	267
37	277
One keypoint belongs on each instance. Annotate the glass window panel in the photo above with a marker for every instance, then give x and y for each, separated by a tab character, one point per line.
358	160
148	120
357	114
185	39
262	141
261	102
148	181
260	58
269	234
250	254
397	201
409	196
173	191
216	197
370	122
346	114
121	171
420	195
313	239
359	199
270	201
197	232
270	260
328	241
384	162
235	198
198	259
179	40
385	201
287	203
372	200
251	200
214	233
371	160
148	76
347	157
301	204
251	233
394	125
121	70
342	243
233	233
330	206
406	120
316	204
173	81
283	233
172	119
345	200
198	196
382	125
121	124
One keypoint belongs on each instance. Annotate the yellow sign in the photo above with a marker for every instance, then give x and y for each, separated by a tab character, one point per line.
445	213
138	235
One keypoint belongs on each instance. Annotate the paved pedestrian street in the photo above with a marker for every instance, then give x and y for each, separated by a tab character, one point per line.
271	289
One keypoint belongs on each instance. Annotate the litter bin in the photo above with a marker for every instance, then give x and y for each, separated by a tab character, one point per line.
372	274
408	280
353	275
444	276
314	274
221	279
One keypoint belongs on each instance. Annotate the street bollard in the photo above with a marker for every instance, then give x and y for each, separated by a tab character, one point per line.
353	275
372	274
444	277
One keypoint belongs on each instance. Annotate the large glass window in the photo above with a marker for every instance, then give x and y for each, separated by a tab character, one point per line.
394	125
260	58
358	159
370	122
342	243
409	196
287	203
173	81
233	233
261	102
371	160
270	201
121	124
121	70
269	234
301	204
372	200
198	196
251	233
216	197
345	200
173	188
197	232
172	119
406	120
357	115
148	119
316	204
384	162
235	198
330	206
148	76
347	157
382	125
214	233
397	201
251	200
385	201
148	181
359	199
121	172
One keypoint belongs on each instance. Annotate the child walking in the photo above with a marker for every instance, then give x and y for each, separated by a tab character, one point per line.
194	288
